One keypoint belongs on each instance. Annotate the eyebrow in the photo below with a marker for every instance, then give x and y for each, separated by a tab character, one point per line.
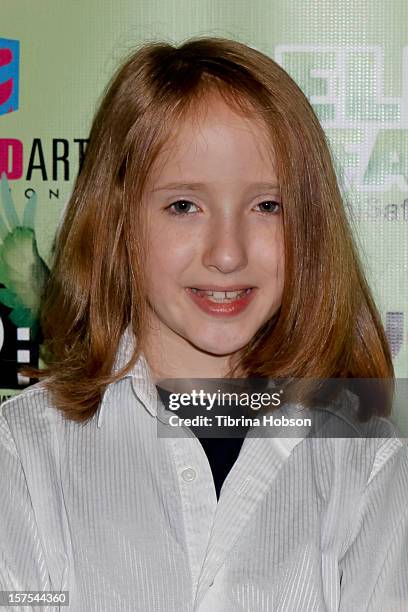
198	186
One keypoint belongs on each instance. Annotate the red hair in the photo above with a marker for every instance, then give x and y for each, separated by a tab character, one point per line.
327	326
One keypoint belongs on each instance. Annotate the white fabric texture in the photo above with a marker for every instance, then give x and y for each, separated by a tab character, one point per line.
126	520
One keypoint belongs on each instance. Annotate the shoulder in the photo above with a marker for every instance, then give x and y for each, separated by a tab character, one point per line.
30	399
355	459
26	416
348	454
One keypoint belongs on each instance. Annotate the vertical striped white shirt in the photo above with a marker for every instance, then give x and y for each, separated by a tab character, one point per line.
124	519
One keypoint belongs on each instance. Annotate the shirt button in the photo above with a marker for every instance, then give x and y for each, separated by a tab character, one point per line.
188	474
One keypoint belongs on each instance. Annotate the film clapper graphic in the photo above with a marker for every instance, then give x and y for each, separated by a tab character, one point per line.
17	348
9	75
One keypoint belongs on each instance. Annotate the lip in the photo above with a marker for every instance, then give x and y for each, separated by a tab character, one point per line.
219	288
222	309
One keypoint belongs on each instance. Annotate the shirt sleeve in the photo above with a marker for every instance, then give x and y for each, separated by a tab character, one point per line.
22	562
374	569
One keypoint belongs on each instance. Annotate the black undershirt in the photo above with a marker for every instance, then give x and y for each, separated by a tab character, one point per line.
221	452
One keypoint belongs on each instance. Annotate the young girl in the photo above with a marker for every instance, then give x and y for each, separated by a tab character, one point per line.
205	238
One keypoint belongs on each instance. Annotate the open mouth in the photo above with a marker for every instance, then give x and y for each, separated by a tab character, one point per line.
220	296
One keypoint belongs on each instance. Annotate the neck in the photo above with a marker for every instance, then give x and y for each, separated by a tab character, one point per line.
175	357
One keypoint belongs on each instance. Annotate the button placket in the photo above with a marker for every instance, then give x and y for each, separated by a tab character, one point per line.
198	499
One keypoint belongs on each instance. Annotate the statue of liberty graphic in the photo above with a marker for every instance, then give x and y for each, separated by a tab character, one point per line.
23	272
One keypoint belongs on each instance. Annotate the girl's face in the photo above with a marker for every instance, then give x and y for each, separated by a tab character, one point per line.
214	222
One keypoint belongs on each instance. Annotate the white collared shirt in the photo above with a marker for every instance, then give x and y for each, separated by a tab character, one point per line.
126	520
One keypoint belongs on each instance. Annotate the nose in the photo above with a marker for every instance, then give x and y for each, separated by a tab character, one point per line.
225	245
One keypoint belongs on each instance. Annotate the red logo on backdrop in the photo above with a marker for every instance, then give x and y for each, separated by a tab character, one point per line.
11	158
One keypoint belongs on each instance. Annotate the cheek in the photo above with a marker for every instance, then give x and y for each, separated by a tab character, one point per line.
168	256
269	252
274	264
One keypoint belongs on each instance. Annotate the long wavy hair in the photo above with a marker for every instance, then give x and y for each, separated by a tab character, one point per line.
327	326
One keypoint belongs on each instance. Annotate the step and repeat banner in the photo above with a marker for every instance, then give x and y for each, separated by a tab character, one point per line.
350	58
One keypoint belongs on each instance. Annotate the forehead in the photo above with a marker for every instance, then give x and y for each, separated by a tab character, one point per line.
216	138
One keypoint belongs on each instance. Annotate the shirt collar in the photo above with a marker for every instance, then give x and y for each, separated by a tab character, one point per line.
141	377
143	383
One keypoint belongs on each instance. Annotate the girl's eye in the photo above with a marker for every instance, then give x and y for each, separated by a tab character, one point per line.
270	206
180	207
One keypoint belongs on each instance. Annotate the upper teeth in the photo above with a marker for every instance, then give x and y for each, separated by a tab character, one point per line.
220	294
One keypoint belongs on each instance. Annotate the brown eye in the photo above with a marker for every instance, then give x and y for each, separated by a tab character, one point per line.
180	207
270	206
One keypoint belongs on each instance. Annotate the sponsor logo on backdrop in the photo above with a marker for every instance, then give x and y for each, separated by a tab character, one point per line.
367	127
54	159
57	159
9	75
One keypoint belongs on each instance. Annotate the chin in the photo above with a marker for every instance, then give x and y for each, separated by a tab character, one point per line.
219	348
